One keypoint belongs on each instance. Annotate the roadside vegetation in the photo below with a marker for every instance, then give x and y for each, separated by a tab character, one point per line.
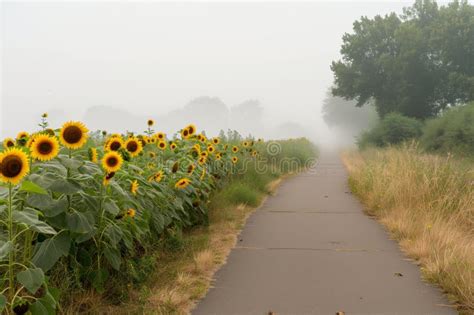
427	203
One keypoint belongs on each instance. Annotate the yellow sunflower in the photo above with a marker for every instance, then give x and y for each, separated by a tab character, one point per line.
191	129
131	212
8	143
44	147
93	155
133	146
22	134
210	148
156	177
107	178
235	159
204	153
161	145
173	146
13	166
134	187
191	168
218	156
160	135
235	149
245	144
73	135
216	140
254	153
175	167
152	154
115	143
112	161
202	160
182	183
203	174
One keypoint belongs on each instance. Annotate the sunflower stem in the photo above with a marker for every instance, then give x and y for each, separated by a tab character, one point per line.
11	239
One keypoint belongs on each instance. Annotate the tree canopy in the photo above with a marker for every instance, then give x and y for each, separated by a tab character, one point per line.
416	63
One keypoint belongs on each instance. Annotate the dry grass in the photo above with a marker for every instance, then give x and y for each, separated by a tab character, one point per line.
427	203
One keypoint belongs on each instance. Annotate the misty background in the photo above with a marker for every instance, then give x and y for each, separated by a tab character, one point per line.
260	68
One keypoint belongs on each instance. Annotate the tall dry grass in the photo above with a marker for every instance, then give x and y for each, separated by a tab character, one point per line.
427	203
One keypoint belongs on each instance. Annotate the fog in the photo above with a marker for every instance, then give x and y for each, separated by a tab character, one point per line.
260	67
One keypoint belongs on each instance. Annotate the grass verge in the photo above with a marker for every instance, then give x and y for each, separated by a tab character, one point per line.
427	203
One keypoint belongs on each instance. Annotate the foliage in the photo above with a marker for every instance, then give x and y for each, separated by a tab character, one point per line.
452	132
90	211
416	64
393	129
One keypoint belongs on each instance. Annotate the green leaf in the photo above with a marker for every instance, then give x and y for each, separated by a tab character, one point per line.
51	250
32	188
3	302
69	162
30	217
78	222
64	186
113	257
5	248
111	207
39	308
48	205
114	234
31	278
98	278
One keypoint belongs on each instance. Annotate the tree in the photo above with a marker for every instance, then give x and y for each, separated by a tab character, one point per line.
417	64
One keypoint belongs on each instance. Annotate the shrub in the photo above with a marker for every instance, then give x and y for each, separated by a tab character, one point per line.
392	129
451	132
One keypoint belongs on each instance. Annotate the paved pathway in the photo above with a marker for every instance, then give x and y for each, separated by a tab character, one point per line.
310	250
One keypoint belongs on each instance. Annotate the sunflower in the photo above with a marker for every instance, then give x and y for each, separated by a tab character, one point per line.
173	145
112	161
235	159
44	147
201	137
107	178
45	115
202	160
13	165
114	143
191	168
134	187
184	133
204	154
245	144
22	134
210	148
93	155
8	143
150	122
191	129
216	140
182	183
235	149
218	156
152	154
160	135
162	145
131	212
133	146
203	173
156	177
73	135
50	132
254	153
175	167
29	142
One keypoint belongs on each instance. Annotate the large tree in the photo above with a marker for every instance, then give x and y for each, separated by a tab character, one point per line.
416	63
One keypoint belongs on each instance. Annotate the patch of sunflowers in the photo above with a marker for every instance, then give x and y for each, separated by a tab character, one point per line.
85	200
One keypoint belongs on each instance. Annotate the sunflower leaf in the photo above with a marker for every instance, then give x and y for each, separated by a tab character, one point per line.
64	186
5	248
32	188
29	217
3	302
113	257
31	279
50	250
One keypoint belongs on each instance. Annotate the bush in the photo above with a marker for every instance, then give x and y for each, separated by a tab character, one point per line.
451	132
392	129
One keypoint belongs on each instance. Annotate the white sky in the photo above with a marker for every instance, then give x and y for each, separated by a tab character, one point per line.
151	57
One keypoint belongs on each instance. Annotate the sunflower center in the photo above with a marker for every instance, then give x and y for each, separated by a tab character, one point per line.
10	143
45	147
115	145
112	161
132	146
162	145
185	133
11	166
191	130
72	134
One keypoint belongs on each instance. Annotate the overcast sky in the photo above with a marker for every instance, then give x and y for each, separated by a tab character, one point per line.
151	57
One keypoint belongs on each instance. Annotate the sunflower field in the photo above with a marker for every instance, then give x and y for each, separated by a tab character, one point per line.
84	204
